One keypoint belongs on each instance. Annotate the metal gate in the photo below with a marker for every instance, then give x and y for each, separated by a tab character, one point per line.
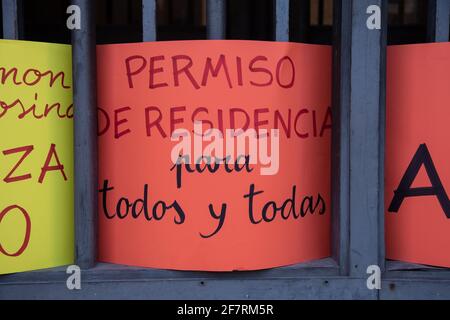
359	63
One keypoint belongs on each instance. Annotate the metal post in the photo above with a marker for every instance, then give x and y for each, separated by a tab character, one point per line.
149	20
438	20
12	19
281	20
358	138
340	145
367	126
85	131
216	19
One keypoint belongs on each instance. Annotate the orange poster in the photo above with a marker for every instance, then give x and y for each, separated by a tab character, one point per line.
214	155
418	154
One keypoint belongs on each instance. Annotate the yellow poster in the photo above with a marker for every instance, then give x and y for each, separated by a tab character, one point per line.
36	156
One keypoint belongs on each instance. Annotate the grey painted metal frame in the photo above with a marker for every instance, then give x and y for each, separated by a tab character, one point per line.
12	19
340	153
438	20
325	277
358	138
367	126
305	281
107	281
85	131
216	19
357	191
102	279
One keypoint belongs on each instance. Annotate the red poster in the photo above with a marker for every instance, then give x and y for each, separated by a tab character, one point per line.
418	154
214	155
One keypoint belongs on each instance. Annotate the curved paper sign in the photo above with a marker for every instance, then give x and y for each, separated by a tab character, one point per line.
36	155
259	198
418	154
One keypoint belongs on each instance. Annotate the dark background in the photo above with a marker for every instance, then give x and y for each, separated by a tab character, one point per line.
121	20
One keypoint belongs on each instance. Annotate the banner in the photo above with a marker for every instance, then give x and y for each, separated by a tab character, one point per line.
418	154
214	155
36	154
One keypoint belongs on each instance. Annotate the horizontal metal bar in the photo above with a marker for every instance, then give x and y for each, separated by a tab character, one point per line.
253	289
292	289
411	289
114	272
107	281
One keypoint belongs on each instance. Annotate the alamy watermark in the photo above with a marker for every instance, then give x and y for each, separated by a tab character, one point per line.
373	22
374	280
74	280
74	20
249	146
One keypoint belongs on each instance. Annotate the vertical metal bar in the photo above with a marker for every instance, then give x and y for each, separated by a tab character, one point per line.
12	19
216	19
281	20
149	20
438	20
340	153
358	138
85	105
382	132
367	125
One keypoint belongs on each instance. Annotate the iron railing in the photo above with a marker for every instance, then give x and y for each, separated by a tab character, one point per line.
357	162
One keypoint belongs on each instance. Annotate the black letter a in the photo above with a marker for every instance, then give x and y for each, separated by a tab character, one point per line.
404	190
